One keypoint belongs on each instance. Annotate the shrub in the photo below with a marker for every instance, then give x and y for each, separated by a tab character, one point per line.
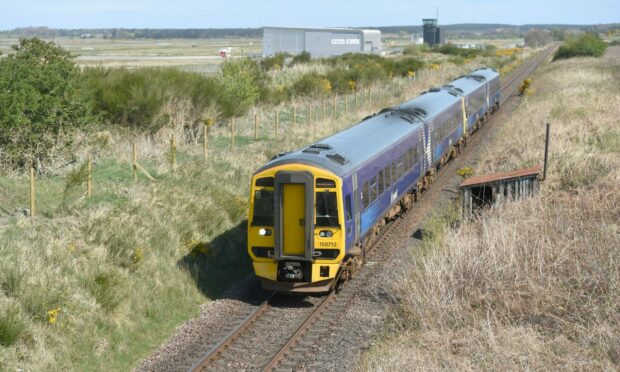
43	100
239	80
413	50
146	99
303	57
273	63
588	44
313	85
453	50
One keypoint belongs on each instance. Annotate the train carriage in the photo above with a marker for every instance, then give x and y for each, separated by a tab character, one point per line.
314	211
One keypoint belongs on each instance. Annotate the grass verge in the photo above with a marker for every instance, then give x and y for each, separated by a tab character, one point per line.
535	284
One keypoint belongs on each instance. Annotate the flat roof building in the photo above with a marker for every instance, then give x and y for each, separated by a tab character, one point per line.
320	42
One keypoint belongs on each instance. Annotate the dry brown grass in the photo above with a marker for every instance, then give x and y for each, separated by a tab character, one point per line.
535	284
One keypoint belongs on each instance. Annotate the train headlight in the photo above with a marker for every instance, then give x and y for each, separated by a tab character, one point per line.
264	232
326	234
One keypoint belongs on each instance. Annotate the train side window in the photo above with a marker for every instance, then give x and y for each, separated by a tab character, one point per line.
263	208
386	172
365	197
381	183
347	207
401	167
373	189
326	209
410	158
394	174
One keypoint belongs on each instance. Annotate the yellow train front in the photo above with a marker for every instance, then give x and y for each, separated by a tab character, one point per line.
295	235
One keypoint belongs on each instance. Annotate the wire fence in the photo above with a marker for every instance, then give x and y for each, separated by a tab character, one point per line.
96	176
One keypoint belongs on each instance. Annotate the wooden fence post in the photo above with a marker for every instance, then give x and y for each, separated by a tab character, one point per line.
173	152
255	127
232	133
205	136
335	103
355	93
89	180
277	122
294	115
134	162
346	104
324	109
33	207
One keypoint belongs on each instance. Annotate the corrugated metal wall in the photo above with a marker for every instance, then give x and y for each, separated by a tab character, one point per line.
319	43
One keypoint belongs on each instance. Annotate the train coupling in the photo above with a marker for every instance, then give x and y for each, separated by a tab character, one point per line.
291	271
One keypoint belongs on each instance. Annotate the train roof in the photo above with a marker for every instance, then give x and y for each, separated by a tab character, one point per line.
345	151
431	103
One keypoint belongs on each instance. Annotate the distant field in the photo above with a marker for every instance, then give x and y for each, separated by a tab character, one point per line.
201	55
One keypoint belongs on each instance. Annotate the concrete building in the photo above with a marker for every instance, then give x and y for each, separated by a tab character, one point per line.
320	42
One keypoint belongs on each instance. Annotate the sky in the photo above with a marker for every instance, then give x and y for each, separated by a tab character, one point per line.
309	13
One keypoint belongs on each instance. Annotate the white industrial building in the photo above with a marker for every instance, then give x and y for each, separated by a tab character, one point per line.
320	42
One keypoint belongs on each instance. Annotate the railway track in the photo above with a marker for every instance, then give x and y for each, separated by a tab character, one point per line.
307	319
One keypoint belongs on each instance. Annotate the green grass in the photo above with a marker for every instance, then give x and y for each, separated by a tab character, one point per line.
11	326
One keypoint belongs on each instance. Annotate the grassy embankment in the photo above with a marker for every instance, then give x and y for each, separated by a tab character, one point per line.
97	284
535	284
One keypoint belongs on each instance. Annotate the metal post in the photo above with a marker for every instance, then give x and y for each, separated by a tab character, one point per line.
546	154
33	208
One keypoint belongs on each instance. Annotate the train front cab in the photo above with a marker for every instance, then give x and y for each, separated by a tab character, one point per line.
288	253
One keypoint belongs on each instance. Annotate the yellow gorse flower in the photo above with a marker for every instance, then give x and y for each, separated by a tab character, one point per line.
52	316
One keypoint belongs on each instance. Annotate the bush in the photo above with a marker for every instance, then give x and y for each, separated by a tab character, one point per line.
413	50
138	98
588	44
313	85
303	57
239	80
274	63
453	50
43	99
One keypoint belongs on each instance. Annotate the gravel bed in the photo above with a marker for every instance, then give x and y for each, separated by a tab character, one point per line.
196	336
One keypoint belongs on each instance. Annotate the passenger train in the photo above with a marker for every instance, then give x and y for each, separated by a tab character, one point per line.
314	212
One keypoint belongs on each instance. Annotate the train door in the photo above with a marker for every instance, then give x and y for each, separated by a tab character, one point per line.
293	219
294	215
